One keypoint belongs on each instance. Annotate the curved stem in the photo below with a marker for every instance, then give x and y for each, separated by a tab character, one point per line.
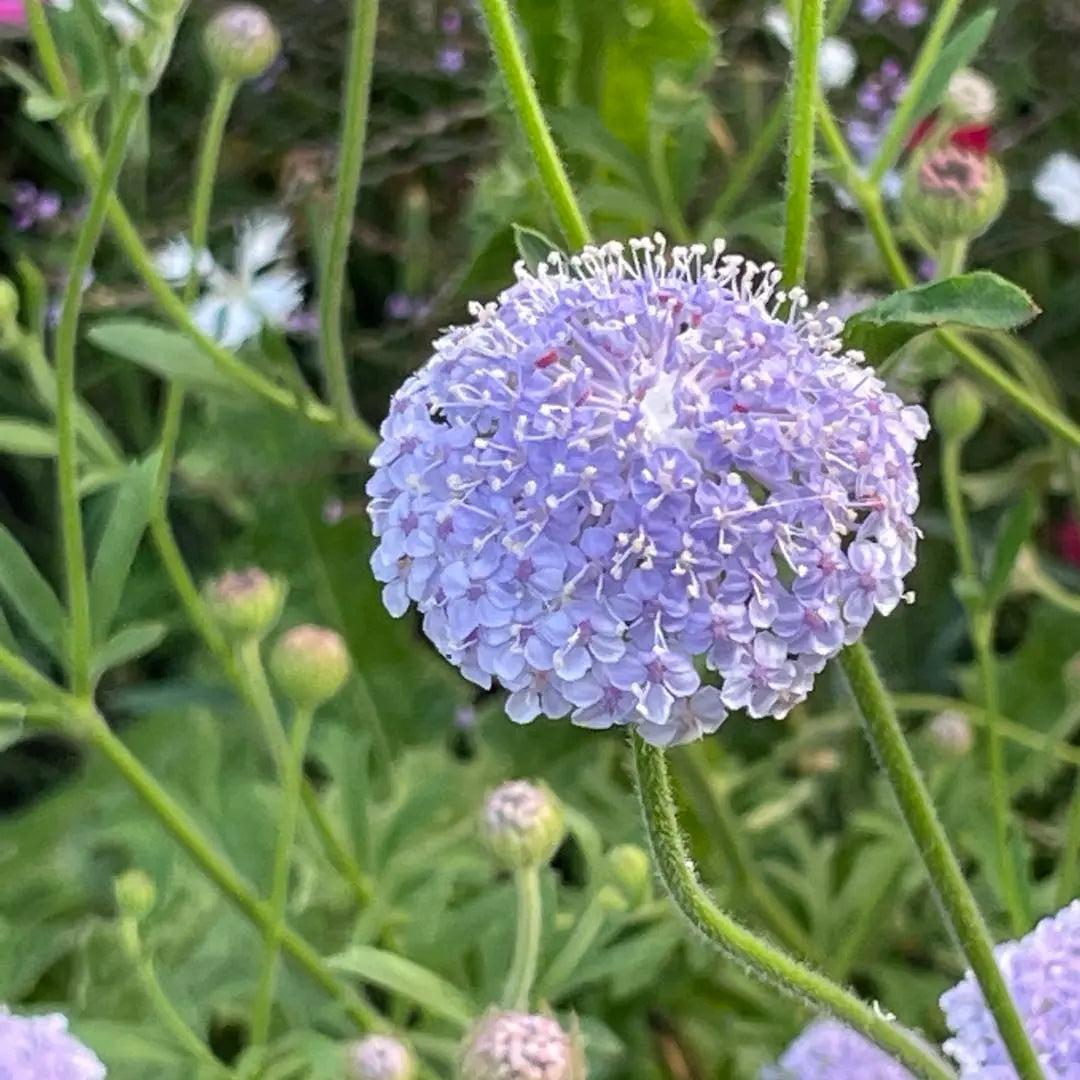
522	975
279	889
764	961
526	104
365	17
78	590
800	156
45	46
575	947
961	911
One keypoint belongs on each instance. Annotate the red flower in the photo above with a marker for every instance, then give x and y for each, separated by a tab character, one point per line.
1067	540
974	137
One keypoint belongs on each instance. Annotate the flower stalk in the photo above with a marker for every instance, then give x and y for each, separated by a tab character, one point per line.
522	975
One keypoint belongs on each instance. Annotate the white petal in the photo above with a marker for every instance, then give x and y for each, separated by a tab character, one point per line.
779	25
174	260
229	321
262	242
277	294
836	63
1057	184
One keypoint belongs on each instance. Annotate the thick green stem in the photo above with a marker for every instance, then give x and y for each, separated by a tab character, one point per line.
917	809
519	982
764	961
952	256
279	889
333	276
37	687
800	155
526	104
45	46
67	462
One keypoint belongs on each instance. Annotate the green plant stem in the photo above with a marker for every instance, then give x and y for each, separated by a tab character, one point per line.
749	164
526	104
35	684
171	1020
586	929
798	200
961	911
764	961
1068	872
279	889
952	257
67	464
981	628
365	17
519	982
45	46
899	129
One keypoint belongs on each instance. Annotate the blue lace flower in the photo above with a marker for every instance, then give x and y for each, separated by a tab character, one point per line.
639	461
827	1050
40	1048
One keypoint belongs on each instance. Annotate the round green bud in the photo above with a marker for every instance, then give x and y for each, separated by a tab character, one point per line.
957	408
380	1057
135	894
950	732
522	824
241	42
630	873
953	194
246	603
310	664
521	1046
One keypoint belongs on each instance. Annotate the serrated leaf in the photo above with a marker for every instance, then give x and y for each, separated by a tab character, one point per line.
31	595
402	976
128	644
26	438
980	300
957	53
1012	534
533	246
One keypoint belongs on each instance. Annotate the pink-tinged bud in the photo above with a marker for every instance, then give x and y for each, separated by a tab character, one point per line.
380	1057
310	664
241	42
246	603
953	194
522	824
520	1046
951	733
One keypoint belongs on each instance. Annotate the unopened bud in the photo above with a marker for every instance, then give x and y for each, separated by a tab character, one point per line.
970	98
310	664
958	409
953	194
380	1057
135	894
630	873
520	1046
951	733
241	42
246	603
522	824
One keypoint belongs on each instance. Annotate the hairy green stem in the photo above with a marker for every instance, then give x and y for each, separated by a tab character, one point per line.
519	982
526	104
798	199
961	911
764	961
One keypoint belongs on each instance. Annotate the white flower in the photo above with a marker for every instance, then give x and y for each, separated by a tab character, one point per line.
972	96
1057	183
234	307
125	18
836	57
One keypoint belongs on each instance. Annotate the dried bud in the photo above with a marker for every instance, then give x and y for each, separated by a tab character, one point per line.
957	409
953	194
310	664
522	824
950	732
520	1046
971	98
246	603
379	1057
241	42
631	874
135	894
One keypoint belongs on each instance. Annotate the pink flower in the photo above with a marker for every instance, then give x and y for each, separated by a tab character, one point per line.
12	17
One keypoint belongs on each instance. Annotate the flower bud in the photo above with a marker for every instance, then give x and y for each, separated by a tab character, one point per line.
630	872
310	664
522	824
379	1057
958	410
520	1046
135	894
950	732
970	98
241	42
246	603
953	194
818	761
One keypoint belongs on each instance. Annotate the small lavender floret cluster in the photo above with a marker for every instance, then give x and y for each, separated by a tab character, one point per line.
1043	974
631	461
40	1048
877	97
905	12
827	1050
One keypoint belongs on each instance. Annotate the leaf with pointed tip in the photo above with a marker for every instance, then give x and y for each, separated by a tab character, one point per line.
533	246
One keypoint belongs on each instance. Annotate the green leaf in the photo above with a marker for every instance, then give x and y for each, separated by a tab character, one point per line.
31	595
128	644
1013	533
164	352
980	300
958	52
40	107
25	438
120	541
401	976
533	246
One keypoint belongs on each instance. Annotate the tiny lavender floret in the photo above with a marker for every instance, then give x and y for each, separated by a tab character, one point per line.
522	824
519	1046
635	459
827	1050
1043	974
40	1048
379	1057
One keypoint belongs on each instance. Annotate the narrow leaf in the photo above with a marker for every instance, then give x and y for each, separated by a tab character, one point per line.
1013	533
128	644
957	53
31	595
533	246
25	438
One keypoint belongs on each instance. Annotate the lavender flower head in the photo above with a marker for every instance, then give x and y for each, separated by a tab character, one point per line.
629	462
1043	974
40	1048
827	1050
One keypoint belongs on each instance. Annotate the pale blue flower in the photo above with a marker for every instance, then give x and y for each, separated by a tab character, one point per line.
827	1050
40	1048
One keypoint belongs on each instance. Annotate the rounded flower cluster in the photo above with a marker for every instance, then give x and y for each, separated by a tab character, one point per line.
522	824
40	1048
379	1057
636	459
519	1046
1043	974
827	1050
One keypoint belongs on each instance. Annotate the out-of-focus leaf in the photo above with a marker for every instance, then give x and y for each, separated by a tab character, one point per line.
31	595
25	438
533	246
1013	533
957	52
128	644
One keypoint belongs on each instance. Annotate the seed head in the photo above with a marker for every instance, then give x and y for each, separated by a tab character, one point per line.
519	1046
40	1048
310	664
380	1057
241	41
522	824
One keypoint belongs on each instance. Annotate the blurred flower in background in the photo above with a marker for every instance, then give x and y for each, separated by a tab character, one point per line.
1057	183
836	57
31	206
827	1050
905	12
40	1048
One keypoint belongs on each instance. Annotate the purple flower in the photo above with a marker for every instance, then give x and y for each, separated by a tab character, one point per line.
451	22
630	464
905	12
1043	974
827	1050
450	59
40	1048
31	206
